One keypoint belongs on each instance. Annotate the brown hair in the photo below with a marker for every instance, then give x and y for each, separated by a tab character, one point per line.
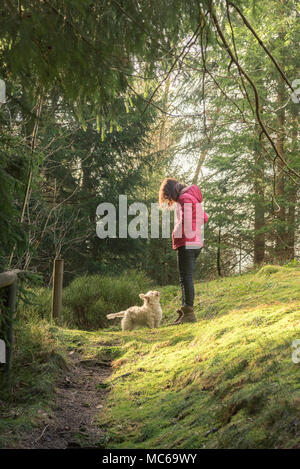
169	191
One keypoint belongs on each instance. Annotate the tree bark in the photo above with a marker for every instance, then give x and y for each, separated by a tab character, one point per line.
199	166
259	210
280	235
292	200
204	152
219	253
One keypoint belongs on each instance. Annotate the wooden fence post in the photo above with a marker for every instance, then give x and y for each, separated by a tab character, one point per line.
11	303
8	281
58	274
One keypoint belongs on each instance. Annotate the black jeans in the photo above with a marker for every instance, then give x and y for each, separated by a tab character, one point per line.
186	266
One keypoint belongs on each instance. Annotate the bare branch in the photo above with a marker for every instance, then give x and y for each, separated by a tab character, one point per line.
257	99
246	22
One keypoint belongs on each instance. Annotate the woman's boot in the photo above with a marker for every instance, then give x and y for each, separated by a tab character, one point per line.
188	315
180	316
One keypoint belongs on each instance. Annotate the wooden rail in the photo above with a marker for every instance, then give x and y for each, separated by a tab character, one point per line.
57	289
8	281
8	278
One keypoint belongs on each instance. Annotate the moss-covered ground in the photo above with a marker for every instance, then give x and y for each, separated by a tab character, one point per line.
227	381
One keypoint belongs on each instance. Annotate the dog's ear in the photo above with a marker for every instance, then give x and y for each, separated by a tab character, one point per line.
144	297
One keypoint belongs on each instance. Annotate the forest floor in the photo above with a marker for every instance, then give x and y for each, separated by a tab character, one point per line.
227	381
70	422
56	402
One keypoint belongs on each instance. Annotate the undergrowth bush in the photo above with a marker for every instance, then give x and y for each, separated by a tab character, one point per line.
88	299
35	359
29	387
36	305
293	263
269	269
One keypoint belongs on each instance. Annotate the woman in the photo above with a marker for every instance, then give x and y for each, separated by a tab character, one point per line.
186	236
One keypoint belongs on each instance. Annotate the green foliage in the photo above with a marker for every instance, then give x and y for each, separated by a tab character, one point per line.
36	363
243	191
293	263
268	269
83	170
102	41
227	381
3	311
36	306
13	171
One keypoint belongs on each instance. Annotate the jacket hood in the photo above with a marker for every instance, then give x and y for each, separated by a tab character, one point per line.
193	191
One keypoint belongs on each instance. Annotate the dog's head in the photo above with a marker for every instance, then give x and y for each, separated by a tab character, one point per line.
151	297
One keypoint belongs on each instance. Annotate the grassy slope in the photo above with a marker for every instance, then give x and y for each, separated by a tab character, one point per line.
26	395
227	381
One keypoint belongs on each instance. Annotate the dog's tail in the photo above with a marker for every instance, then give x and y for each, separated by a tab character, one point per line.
116	315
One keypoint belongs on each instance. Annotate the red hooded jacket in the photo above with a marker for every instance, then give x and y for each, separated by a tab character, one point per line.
190	218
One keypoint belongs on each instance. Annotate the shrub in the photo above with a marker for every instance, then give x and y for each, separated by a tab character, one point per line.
36	306
35	362
269	269
88	299
293	263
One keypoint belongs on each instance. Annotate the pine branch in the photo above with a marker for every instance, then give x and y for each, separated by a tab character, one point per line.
30	175
250	81
188	45
246	22
236	54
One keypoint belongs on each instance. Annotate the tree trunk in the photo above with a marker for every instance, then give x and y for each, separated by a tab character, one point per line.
292	197
280	236
259	210
203	153
163	142
219	253
31	125
199	166
290	250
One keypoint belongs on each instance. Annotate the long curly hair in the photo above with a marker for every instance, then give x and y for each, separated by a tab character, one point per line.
169	191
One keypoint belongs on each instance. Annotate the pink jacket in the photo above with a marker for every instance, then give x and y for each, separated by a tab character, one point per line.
190	218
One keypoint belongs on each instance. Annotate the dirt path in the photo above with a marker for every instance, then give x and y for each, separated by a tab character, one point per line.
80	395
